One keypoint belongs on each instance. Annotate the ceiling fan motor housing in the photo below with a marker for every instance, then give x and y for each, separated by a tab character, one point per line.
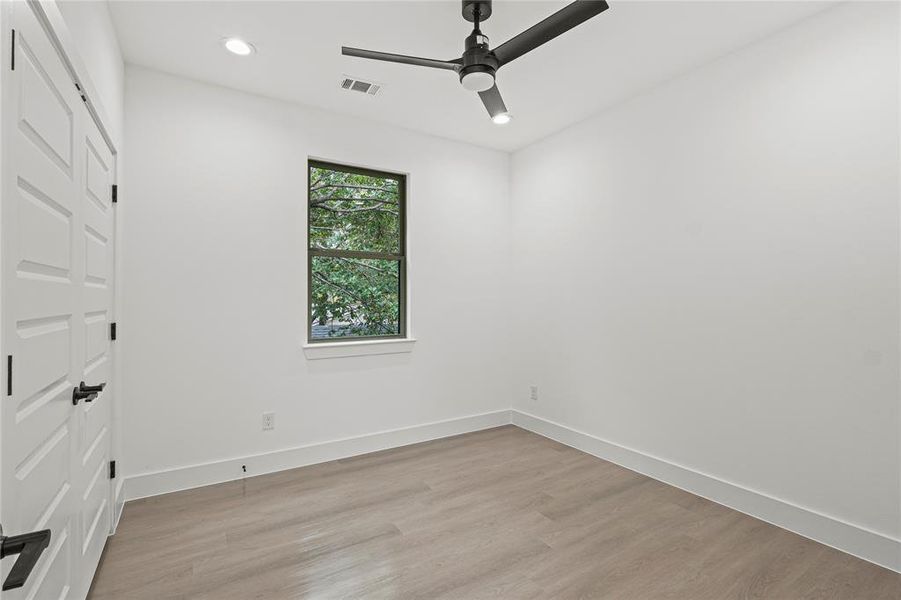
478	61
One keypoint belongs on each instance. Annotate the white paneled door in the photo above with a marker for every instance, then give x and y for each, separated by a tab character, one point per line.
57	293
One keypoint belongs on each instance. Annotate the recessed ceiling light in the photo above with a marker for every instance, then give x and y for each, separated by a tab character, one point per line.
238	46
501	119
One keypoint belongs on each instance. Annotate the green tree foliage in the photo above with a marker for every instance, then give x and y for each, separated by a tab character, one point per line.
352	295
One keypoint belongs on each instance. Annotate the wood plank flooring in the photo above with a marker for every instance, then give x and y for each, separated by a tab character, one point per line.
502	513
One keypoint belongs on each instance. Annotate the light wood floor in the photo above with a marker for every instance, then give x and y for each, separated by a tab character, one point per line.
501	513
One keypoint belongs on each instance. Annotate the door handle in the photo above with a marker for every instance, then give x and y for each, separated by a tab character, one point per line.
91	388
79	395
29	547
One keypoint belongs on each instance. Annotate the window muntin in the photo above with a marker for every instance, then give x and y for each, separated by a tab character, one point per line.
356	262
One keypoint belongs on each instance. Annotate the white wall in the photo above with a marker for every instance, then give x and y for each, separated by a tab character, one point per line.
709	273
216	278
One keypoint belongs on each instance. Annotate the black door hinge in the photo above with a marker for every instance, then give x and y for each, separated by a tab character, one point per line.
12	52
112	469
115	193
112	331
9	375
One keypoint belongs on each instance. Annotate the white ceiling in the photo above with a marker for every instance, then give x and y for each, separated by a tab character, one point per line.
629	48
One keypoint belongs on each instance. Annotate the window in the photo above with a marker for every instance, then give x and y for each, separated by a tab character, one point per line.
356	263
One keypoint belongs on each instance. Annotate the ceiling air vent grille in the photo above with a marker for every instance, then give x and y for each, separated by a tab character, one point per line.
358	85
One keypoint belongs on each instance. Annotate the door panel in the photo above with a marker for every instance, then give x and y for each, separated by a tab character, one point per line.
95	244
45	106
57	259
39	212
96	340
98	174
45	355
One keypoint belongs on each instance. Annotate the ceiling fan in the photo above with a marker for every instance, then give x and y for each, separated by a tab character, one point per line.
479	64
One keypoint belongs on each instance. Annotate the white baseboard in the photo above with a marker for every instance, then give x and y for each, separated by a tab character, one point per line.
863	543
192	476
858	541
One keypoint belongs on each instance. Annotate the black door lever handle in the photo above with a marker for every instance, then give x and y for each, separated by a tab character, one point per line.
29	547
91	388
79	395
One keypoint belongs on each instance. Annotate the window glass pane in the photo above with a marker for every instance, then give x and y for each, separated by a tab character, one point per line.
354	212
353	297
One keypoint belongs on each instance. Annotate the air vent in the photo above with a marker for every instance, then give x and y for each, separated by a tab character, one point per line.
358	85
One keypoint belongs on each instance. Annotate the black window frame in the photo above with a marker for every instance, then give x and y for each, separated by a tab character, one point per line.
400	257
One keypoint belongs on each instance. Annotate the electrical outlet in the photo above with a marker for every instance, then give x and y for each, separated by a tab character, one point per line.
268	421
533	393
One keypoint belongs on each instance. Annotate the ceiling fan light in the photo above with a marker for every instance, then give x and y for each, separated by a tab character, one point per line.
501	118
477	81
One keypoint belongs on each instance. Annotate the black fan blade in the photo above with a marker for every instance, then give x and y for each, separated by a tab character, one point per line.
493	101
560	22
402	58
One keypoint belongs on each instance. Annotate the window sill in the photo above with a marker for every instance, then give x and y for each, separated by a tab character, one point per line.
362	348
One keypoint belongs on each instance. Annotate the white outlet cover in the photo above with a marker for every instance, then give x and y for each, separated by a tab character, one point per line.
533	392
268	421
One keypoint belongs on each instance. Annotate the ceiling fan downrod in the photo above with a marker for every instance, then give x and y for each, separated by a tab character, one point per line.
479	65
